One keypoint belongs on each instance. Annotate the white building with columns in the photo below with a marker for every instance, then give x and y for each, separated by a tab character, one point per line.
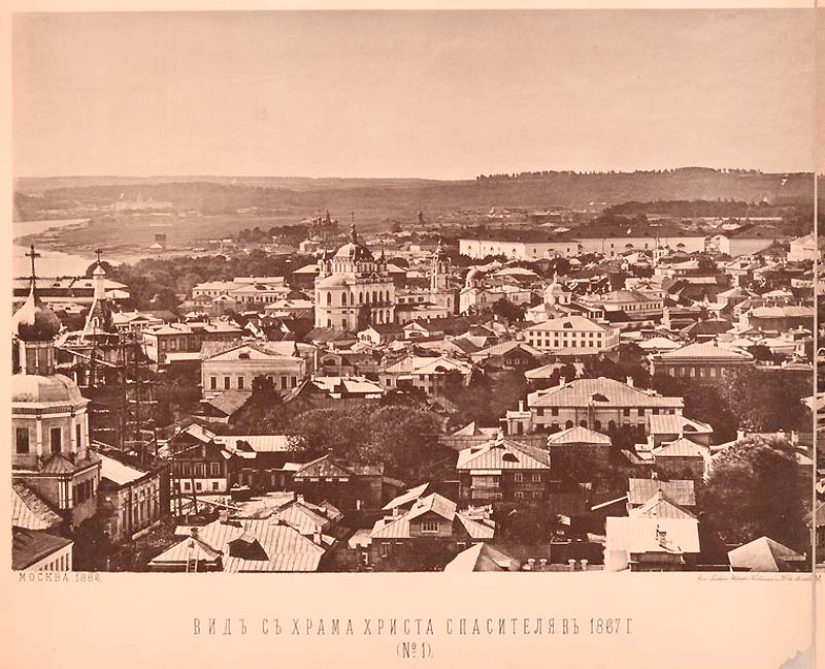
353	289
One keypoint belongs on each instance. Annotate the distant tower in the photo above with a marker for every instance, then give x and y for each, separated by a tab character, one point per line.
99	319
440	267
420	217
440	291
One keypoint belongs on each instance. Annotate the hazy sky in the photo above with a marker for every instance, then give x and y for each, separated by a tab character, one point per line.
416	94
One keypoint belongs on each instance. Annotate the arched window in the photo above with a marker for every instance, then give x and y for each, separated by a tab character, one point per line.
568	424
344	299
360	298
329	299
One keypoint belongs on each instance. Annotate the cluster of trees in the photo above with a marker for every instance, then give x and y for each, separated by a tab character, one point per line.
755	400
726	208
401	436
155	283
483	400
286	234
755	489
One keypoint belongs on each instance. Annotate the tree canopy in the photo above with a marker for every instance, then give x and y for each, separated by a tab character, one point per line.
755	489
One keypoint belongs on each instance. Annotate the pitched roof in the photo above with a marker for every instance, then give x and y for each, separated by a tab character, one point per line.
229	401
503	454
31	546
481	557
325	467
681	448
578	435
284	548
672	424
577	323
765	554
706	351
659	506
607	392
643	534
117	472
408	497
29	511
681	492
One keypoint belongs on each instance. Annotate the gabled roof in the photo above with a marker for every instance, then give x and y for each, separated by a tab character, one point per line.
433	503
578	435
600	392
681	448
398	527
672	424
284	548
408	497
481	557
681	492
324	467
659	506
765	554
503	454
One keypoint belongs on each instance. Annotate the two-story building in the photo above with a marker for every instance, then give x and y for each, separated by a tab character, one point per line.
704	362
598	404
427	536
235	366
571	335
502	470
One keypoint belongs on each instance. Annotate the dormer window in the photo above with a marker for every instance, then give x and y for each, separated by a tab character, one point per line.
429	526
509	457
243	356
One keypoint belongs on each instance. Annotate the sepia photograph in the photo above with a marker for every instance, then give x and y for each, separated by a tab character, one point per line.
347	294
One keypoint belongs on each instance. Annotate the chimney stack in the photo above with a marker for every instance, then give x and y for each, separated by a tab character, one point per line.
521	406
299	498
740	435
630	381
584	565
571	563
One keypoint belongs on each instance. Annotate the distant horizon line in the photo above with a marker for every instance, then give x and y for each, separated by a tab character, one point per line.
412	178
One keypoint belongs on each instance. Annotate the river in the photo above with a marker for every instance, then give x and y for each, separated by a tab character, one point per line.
51	263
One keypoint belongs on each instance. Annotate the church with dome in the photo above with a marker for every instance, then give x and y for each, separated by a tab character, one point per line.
51	455
353	288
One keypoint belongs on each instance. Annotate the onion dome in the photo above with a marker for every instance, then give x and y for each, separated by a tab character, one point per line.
36	389
34	322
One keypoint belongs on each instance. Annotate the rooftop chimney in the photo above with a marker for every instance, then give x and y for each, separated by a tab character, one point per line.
571	563
630	381
740	435
299	498
521	405
584	565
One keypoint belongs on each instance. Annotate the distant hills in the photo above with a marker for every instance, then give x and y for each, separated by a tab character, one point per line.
378	199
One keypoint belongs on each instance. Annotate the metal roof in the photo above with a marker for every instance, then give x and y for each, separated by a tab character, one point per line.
582	393
503	454
681	492
285	547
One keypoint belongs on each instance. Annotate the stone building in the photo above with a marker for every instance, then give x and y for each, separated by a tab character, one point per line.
353	289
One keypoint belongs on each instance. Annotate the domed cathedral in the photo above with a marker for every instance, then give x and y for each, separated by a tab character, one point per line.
353	289
50	427
441	292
